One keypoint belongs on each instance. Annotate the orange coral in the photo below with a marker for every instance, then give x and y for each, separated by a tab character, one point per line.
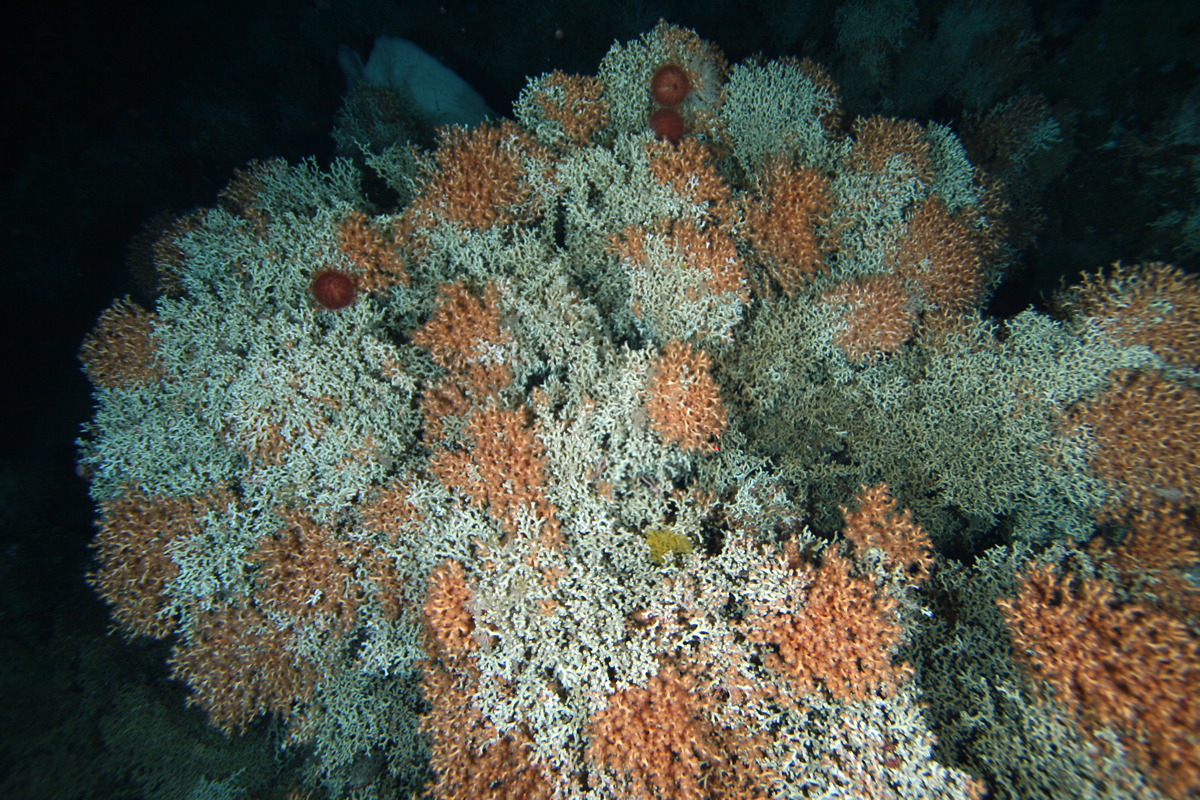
480	180
389	511
445	401
841	637
1154	559
135	567
877	140
713	253
574	102
831	120
688	169
685	403
999	141
502	470
465	337
1146	433
464	328
1113	666
471	759
239	667
1154	305
629	245
308	574
156	255
938	257
120	352
877	318
781	226
379	266
875	524
447	612
657	737
242	195
937	327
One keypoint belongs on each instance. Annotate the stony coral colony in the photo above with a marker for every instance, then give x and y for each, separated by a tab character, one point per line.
552	481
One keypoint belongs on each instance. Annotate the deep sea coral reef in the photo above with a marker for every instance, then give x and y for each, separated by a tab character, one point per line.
605	466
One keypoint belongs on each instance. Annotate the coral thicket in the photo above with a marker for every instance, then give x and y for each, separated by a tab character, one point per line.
134	570
501	468
1154	305
877	316
565	110
470	758
938	256
377	261
841	637
547	487
875	524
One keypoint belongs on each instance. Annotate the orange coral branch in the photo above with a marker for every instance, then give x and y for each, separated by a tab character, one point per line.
1146	431
135	569
877	318
842	637
939	258
447	612
480	180
471	759
120	351
239	667
1124	667
878	139
685	403
462	327
1154	559
575	102
1154	305
688	169
781	226
379	266
309	575
502	471
657	737
875	524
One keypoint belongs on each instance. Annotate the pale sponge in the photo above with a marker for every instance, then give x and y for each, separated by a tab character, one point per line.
399	64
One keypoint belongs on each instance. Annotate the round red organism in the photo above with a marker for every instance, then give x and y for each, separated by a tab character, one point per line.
670	85
332	289
667	124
